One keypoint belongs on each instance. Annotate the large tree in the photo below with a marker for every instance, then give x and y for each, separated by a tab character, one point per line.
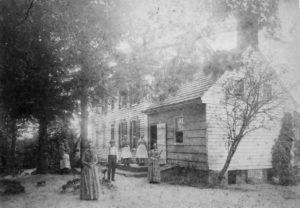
32	75
10	69
87	48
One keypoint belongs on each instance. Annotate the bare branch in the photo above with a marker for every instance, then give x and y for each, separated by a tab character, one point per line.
27	13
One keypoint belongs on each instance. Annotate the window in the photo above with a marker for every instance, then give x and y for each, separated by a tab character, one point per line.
112	131
267	91
112	103
134	96
122	131
134	133
103	135
123	99
104	108
179	130
239	88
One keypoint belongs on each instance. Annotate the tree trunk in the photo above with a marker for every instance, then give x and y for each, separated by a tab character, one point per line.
84	122
229	157
247	31
42	163
13	145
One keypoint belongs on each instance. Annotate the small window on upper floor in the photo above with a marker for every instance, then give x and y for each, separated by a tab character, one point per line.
104	108
179	130
123	99
267	91
134	96
112	103
239	88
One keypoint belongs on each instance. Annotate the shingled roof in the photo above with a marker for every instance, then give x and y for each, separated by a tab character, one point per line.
187	92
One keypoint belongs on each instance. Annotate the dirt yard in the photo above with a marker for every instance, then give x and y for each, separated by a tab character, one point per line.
136	192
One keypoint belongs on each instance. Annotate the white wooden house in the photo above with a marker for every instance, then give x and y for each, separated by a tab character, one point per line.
121	118
185	127
191	137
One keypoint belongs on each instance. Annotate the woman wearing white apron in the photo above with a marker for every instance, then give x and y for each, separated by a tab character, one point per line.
126	153
141	152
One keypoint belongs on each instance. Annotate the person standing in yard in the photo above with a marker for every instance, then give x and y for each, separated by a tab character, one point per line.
112	160
126	153
89	183
65	165
153	168
141	152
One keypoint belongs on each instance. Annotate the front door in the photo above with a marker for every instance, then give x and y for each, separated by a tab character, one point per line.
158	136
153	135
161	142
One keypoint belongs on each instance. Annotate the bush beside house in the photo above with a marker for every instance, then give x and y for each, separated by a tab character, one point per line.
281	153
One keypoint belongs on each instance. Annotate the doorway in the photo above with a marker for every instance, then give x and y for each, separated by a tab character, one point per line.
153	135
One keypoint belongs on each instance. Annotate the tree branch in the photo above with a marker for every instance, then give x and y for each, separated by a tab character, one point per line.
27	12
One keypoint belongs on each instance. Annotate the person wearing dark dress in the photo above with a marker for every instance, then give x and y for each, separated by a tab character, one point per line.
89	182
154	167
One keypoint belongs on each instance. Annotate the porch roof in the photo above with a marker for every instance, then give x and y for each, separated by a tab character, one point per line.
187	92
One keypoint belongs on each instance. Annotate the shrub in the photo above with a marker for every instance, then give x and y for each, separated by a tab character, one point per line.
12	187
281	153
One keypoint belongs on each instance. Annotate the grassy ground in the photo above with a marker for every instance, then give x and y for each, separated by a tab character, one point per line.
137	192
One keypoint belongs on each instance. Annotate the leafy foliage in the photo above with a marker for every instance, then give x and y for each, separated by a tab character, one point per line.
32	73
263	12
222	61
26	153
281	152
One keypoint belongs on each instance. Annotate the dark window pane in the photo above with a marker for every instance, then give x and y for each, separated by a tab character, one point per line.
179	136
112	132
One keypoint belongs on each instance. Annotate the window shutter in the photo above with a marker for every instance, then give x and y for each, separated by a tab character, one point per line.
138	131
120	126
130	134
112	132
125	130
112	104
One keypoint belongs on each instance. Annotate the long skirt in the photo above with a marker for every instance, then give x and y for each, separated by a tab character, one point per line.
65	162
126	153
153	171
141	151
89	183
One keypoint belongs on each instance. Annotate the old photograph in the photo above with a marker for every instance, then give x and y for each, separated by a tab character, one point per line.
149	103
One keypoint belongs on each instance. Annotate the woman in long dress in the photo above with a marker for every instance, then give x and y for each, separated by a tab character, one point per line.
89	183
141	152
126	153
65	165
153	168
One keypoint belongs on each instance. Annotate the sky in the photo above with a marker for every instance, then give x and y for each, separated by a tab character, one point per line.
171	28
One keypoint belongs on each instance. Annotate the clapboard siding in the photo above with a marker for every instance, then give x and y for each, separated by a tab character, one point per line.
188	141
102	125
190	164
187	148
254	151
192	151
194	133
187	157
